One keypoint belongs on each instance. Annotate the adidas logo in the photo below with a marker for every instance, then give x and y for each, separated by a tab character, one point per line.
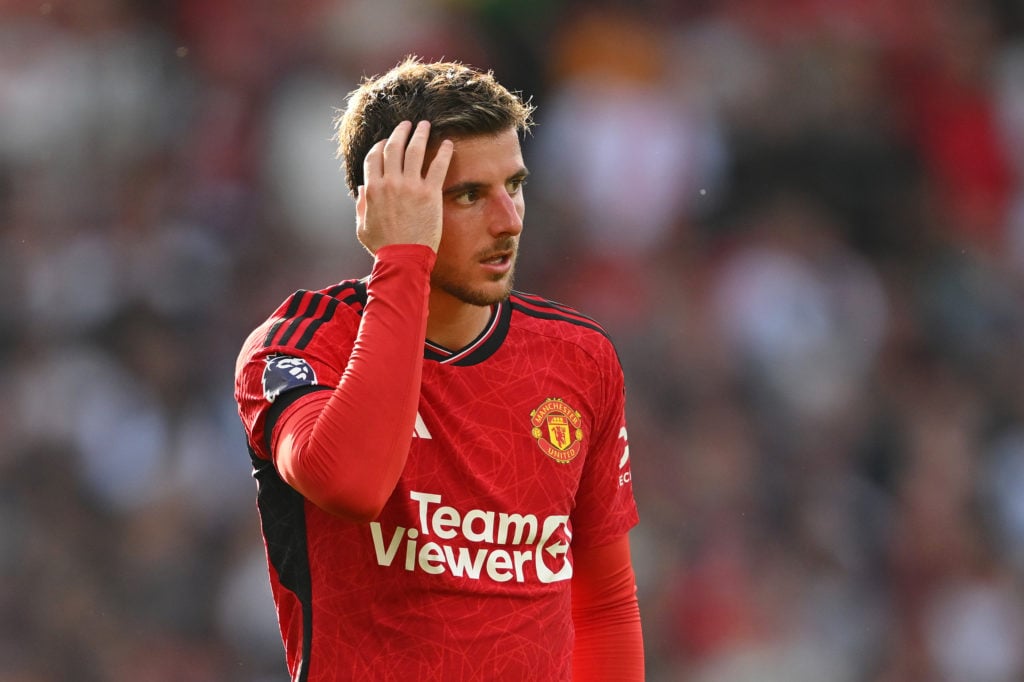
419	430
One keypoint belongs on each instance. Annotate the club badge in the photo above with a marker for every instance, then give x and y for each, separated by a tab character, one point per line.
558	429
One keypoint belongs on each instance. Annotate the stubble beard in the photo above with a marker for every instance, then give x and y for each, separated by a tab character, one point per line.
458	288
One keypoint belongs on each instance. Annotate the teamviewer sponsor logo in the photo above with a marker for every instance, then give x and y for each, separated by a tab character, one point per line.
477	544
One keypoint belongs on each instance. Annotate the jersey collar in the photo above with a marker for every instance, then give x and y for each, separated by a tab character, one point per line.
480	348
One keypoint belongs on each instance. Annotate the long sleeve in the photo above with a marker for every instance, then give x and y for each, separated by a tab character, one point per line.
345	449
606	615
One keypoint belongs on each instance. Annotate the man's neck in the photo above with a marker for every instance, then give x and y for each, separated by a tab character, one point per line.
454	324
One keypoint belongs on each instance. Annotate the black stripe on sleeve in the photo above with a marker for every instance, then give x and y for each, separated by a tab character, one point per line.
549	310
313	303
289	313
357	295
325	316
307	311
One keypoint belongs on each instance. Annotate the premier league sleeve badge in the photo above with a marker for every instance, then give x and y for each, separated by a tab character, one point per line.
284	373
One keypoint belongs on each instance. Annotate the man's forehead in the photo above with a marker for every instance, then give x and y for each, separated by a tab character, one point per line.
500	153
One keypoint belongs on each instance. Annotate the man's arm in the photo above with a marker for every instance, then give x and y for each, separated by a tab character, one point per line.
609	643
344	451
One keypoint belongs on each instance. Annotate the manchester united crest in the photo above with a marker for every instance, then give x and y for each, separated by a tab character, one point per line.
558	429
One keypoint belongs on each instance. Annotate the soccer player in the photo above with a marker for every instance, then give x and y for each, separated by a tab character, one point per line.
442	464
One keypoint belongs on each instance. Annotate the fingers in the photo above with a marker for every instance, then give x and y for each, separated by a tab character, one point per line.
402	151
438	168
373	164
416	151
394	148
387	154
361	203
401	200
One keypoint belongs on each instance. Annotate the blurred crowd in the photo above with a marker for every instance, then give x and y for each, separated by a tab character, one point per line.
801	221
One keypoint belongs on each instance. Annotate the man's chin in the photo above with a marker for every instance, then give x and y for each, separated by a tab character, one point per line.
490	294
488	298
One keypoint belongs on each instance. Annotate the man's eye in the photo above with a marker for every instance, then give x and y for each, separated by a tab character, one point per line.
467	197
513	186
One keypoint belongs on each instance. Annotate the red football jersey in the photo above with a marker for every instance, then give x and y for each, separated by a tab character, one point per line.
519	454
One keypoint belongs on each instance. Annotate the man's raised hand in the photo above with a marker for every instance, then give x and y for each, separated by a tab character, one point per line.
400	202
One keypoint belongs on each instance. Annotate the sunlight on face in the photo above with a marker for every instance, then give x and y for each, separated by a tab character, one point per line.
483	218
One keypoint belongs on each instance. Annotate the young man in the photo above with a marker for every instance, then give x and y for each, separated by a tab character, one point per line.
442	465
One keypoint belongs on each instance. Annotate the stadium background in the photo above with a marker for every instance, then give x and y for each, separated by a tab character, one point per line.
802	221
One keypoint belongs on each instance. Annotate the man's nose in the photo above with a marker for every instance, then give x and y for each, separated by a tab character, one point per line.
507	218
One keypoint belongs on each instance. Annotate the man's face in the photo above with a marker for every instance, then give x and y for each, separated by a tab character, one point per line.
483	217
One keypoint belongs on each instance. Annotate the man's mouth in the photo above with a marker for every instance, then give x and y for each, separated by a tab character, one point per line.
498	258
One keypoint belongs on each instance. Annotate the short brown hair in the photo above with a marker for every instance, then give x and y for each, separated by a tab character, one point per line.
458	100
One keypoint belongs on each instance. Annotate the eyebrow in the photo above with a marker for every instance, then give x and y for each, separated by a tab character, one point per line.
471	185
